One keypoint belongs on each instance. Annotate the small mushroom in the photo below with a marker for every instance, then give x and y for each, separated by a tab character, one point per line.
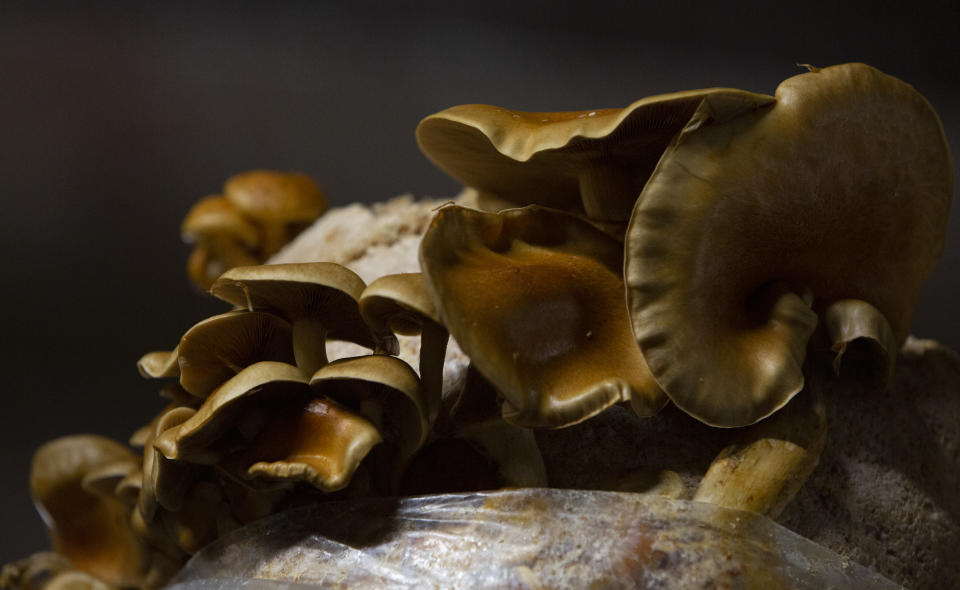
750	227
219	347
594	161
89	529
386	391
535	299
319	299
281	203
223	237
401	304
165	481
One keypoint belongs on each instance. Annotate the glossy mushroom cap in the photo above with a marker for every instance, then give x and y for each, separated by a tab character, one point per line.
90	529
594	161
752	226
534	297
281	202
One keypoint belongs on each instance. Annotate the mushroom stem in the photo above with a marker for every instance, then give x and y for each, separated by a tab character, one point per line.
309	344
600	186
765	469
433	349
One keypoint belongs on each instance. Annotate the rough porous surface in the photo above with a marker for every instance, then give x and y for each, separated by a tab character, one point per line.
885	494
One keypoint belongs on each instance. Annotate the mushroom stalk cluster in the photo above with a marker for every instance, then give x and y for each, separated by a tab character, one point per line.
725	251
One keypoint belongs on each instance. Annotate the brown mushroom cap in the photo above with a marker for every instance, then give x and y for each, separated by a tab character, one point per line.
840	190
276	199
219	414
90	529
160	364
316	441
401	303
319	299
213	219
535	299
594	161
384	390
219	347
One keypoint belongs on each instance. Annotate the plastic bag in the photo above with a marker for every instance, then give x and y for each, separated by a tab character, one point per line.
527	538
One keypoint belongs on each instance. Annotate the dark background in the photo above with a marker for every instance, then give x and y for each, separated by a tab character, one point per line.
114	119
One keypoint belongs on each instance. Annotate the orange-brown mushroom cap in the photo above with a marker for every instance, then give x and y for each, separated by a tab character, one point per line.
840	190
90	529
535	299
593	161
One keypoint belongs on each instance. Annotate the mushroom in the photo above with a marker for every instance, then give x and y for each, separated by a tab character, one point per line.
534	297
165	481
223	237
386	391
772	459
282	204
89	529
401	304
219	347
220	413
593	161
752	226
319	299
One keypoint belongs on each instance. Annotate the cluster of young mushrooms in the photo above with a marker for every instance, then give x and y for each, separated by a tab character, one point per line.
722	250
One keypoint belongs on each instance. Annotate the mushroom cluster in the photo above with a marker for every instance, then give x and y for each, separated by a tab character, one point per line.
724	251
258	213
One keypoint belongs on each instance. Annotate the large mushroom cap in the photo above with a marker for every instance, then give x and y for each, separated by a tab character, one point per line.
535	299
840	190
597	161
90	529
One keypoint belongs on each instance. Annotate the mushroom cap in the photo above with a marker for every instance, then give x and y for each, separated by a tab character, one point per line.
535	299
840	190
384	390
215	217
550	158
164	481
219	347
276	196
90	529
317	442
322	290
263	382
397	303
160	364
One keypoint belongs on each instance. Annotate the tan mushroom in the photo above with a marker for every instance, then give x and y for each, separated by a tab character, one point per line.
219	347
751	226
534	297
223	237
586	161
165	481
89	529
386	391
281	203
401	304
319	299
770	461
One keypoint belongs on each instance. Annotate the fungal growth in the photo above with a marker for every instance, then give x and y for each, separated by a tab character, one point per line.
830	203
593	162
535	299
729	252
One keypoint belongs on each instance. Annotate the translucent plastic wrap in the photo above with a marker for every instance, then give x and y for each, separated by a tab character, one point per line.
529	538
